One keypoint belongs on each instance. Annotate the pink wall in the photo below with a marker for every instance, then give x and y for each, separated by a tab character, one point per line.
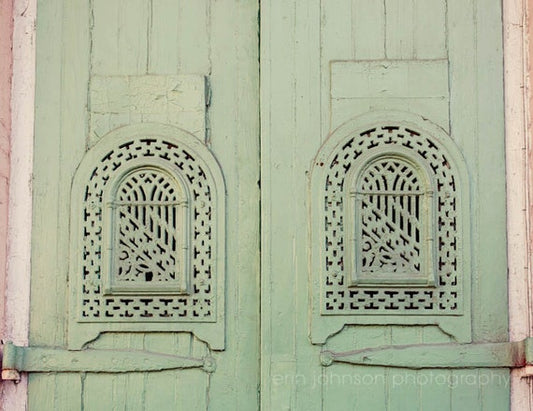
6	63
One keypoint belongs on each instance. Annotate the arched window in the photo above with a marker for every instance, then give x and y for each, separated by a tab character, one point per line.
148	233
390	227
390	215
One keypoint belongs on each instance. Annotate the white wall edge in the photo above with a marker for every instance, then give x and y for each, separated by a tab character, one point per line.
16	324
517	167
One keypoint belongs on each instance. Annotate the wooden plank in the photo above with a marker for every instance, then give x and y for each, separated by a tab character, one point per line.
490	291
435	108
116	386
116	101
99	392
304	143
235	141
133	24
430	29
465	393
74	91
194	37
104	53
368	387
335	24
438	393
67	392
400	23
179	37
102	391
404	384
134	383
55	89
495	390
120	36
43	330
372	393
193	387
267	373
290	118
368	29
389	79
41	392
165	41
185	389
281	311
155	398
340	384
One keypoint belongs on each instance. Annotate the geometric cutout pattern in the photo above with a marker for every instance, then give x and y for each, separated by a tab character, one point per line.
390	211
148	230
147	226
390	217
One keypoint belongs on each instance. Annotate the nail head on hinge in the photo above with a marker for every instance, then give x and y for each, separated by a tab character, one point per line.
326	358
209	364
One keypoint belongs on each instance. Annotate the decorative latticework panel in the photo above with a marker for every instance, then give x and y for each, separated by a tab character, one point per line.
139	201
383	224
391	223
149	231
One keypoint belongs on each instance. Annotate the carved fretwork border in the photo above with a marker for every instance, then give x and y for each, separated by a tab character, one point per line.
181	286
443	289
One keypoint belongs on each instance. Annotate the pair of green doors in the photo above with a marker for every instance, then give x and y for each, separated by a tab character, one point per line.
233	202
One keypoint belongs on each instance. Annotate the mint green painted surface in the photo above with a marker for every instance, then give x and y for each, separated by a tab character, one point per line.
326	64
102	65
106	64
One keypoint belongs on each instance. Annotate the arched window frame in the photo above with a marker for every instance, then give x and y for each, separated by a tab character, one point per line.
335	300
94	305
354	253
182	283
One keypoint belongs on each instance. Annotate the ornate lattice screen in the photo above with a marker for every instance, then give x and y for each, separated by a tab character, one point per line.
389	237
148	206
148	233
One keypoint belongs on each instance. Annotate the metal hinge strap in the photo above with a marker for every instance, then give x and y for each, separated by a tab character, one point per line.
476	355
41	359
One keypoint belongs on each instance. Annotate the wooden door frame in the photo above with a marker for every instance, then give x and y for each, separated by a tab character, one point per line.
518	54
17	82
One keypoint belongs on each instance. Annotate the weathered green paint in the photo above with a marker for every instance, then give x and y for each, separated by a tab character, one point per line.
323	65
106	64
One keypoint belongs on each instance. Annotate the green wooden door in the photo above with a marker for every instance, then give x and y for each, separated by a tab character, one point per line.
147	116
383	205
231	211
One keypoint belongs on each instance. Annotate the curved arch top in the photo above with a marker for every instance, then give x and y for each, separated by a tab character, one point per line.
121	135
387	248
148	236
143	184
390	174
400	118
